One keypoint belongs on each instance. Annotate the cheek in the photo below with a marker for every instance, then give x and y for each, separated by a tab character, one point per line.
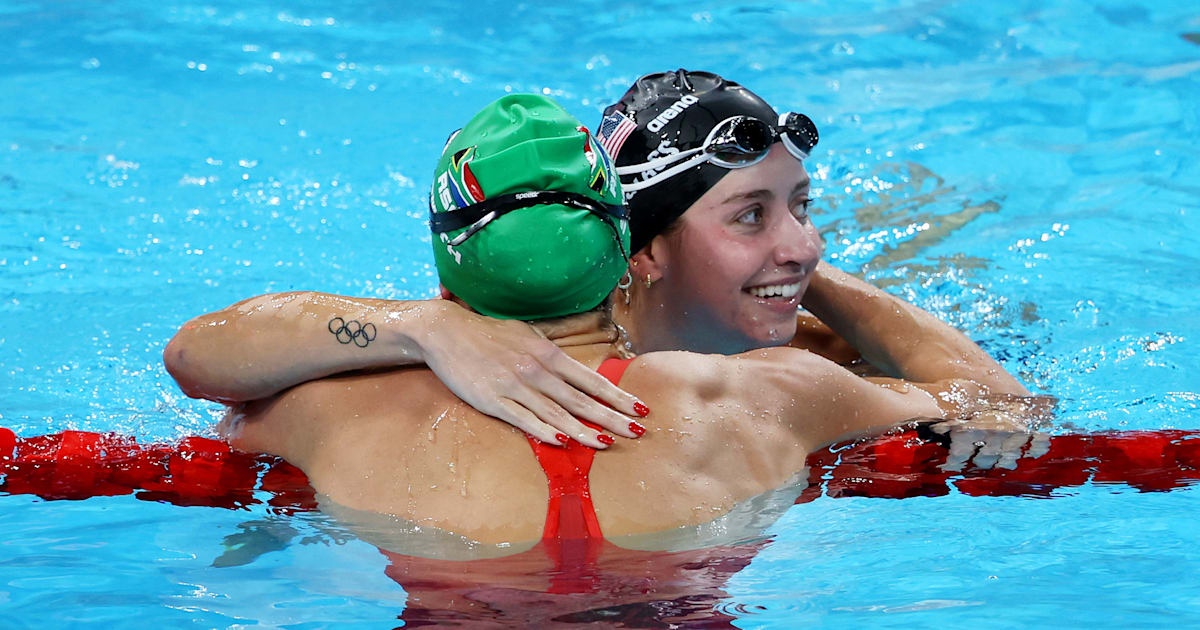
714	266
815	235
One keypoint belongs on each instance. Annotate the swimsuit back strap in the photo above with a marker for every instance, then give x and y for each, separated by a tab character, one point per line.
570	513
614	369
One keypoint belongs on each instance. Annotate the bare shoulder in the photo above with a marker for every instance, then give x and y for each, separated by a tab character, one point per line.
716	373
289	423
817	398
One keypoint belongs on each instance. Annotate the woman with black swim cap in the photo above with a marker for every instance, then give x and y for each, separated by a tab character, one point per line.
726	253
723	256
718	200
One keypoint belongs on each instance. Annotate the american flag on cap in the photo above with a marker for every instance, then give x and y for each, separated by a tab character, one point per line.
614	129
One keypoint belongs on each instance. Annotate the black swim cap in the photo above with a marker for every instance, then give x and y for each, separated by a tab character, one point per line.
672	111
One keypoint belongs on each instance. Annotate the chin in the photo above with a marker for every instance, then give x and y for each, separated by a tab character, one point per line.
759	339
771	337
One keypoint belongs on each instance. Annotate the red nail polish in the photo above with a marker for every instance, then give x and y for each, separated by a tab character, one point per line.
605	439
640	409
637	429
562	438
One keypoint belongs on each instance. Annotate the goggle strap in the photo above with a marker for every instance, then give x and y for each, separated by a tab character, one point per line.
665	160
704	150
490	209
474	227
671	172
458	218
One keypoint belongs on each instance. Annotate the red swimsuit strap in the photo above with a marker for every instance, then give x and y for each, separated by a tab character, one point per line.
570	514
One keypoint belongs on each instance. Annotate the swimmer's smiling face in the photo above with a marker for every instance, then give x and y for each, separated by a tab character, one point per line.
742	258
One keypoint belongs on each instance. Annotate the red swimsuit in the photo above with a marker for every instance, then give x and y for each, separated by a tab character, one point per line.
570	514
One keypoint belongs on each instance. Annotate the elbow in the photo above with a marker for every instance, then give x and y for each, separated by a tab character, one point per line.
175	359
183	364
993	378
1001	382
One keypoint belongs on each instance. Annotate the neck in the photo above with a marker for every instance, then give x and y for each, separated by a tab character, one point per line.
644	322
588	337
649	325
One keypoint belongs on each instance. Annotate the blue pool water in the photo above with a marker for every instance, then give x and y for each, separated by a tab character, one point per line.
1025	170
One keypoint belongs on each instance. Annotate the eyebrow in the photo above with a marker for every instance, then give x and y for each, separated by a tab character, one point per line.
751	194
806	185
763	192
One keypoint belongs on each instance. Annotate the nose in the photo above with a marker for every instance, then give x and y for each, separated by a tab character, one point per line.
798	243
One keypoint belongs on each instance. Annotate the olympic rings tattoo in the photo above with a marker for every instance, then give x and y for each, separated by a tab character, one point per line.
351	331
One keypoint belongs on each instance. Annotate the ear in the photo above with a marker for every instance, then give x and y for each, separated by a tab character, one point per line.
653	259
445	294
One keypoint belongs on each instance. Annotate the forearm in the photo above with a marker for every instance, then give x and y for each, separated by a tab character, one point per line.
263	345
815	336
899	338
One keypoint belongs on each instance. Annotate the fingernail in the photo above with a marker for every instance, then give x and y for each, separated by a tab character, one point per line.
640	409
607	440
562	438
637	429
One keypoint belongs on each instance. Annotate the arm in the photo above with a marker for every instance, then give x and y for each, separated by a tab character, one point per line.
818	401
813	335
261	346
838	405
900	338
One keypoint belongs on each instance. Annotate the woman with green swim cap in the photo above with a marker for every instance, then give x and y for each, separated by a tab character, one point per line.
519	179
724	252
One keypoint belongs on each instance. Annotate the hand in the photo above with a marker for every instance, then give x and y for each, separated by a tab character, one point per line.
997	434
509	370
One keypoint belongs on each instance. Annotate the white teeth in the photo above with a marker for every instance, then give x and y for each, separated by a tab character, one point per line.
775	290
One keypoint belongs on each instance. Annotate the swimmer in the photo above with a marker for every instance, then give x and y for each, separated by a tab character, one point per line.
528	225
723	251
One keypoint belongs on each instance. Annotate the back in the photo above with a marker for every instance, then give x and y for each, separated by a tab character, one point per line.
723	429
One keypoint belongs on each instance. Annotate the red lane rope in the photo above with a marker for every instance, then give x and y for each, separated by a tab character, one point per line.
77	465
195	471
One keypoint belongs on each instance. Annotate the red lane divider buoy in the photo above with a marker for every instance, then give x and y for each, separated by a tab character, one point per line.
906	463
903	464
193	471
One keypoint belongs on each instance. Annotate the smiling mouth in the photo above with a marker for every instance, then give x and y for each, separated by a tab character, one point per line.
769	291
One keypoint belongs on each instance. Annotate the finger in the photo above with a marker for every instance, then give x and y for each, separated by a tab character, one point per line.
1011	450
522	418
584	407
549	412
941	428
989	453
1013	445
1039	445
593	384
962	448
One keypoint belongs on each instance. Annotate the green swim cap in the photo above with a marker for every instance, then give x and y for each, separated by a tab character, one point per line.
526	213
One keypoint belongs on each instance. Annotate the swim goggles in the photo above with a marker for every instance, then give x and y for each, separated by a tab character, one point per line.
477	215
736	142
